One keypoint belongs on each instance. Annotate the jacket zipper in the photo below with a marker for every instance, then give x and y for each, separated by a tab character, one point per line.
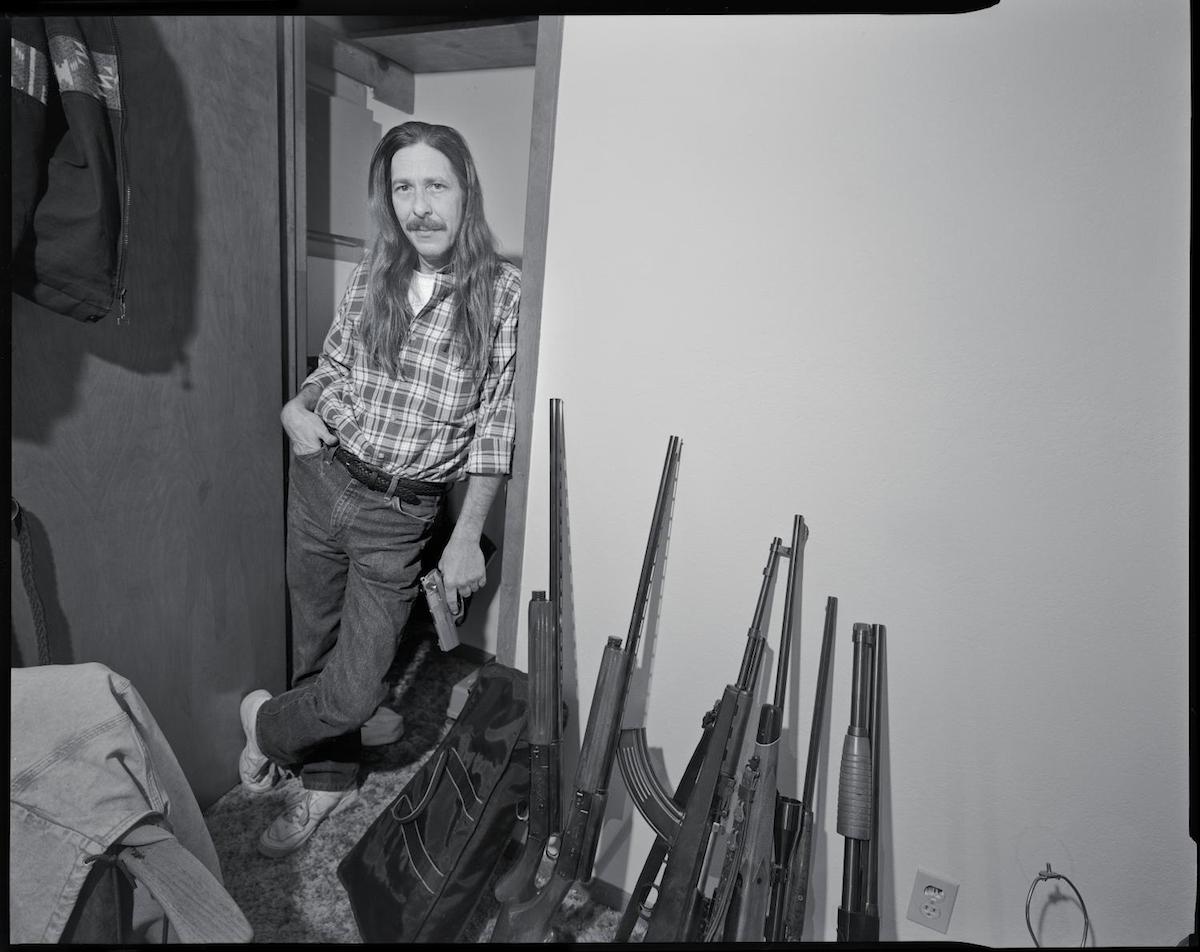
123	316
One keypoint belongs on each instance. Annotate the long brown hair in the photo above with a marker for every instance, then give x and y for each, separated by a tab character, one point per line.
474	260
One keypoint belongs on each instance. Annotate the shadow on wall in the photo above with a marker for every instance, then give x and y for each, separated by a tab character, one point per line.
23	646
50	352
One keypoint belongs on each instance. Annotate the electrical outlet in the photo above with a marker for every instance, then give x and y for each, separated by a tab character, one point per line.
932	901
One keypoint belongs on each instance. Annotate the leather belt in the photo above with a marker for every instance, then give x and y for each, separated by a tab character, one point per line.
375	478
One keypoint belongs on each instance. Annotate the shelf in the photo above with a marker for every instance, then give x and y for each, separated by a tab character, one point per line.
323	244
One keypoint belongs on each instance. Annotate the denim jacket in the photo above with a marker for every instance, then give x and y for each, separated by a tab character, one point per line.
92	772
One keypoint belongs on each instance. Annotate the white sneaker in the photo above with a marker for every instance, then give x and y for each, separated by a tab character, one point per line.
300	819
257	771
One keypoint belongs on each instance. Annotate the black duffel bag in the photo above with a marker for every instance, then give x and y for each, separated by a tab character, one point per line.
420	870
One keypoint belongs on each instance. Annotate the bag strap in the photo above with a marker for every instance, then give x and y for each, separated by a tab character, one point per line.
21	531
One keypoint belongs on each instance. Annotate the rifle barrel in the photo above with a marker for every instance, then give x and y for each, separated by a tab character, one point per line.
752	656
556	493
665	483
823	668
872	900
791	607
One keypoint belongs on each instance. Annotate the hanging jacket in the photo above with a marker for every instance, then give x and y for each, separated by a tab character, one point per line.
70	195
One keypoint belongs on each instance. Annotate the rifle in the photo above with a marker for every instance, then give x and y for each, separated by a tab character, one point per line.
633	757
729	899
529	920
679	912
545	707
857	816
796	901
747	888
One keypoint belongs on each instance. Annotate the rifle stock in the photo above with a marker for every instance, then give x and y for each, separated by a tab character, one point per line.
529	920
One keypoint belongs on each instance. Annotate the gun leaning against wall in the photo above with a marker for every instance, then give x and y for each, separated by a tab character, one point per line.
749	877
545	692
680	910
529	921
795	892
858	794
634	759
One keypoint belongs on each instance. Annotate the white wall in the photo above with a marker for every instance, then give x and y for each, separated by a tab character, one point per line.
925	281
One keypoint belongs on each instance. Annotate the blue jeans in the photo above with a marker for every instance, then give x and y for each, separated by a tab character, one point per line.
353	571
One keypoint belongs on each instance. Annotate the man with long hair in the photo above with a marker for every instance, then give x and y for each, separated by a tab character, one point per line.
413	392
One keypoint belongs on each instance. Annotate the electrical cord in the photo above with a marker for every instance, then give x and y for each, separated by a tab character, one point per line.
1048	873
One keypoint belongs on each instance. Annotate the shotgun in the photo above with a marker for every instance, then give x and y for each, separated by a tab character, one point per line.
796	894
544	829
680	911
871	904
529	920
759	878
856	813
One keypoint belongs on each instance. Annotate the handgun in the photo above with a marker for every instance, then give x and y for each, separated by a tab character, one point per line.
444	621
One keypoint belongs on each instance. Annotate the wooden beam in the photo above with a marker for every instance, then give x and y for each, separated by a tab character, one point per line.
533	276
392	83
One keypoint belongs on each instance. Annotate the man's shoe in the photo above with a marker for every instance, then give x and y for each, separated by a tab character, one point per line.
300	819
257	771
385	726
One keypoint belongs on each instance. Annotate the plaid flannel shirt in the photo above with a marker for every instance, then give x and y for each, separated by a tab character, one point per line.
434	421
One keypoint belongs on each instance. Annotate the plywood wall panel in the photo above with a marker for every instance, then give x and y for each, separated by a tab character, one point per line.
150	452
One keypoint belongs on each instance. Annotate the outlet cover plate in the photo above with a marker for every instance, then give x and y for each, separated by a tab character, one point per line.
932	901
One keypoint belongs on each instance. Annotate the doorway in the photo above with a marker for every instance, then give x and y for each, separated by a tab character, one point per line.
345	80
